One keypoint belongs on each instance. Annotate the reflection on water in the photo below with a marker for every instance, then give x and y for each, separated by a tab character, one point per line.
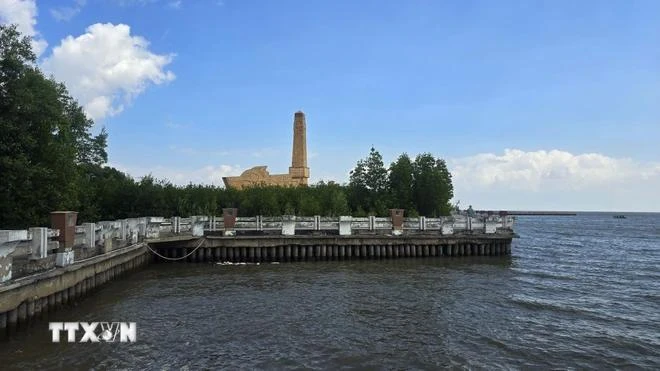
578	292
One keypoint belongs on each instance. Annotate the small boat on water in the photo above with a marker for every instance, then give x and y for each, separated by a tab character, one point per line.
619	216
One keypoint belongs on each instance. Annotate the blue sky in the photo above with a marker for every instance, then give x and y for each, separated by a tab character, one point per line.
534	104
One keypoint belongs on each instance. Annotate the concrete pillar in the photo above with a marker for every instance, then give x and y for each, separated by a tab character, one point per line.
212	221
317	222
123	229
230	254
22	312
372	223
176	224
30	308
345	225
288	225
90	234
37	307
12	318
64	258
422	223
197	227
39	242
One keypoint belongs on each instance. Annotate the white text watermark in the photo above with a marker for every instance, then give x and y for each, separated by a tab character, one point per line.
94	332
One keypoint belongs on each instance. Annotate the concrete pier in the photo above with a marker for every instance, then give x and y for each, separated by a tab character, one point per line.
253	249
44	292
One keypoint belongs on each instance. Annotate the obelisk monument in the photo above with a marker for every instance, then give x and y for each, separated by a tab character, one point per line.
299	169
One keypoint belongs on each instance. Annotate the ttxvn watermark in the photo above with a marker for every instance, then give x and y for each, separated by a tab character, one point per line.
94	332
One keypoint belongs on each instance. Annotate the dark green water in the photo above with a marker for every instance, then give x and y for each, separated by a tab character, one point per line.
579	292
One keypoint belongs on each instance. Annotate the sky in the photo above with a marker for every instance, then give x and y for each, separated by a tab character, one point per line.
535	105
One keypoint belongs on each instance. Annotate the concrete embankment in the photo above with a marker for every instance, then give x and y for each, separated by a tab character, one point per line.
29	297
316	248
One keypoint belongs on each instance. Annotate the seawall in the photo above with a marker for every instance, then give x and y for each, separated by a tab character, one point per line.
256	249
29	297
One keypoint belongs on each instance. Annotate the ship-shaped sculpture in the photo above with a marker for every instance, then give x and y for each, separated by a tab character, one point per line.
298	172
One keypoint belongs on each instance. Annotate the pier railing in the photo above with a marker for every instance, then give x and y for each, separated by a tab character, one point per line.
38	247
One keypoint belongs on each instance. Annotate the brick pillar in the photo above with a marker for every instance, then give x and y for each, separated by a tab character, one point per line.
397	219
65	221
229	220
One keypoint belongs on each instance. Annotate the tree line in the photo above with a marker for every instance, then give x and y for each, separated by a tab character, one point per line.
49	160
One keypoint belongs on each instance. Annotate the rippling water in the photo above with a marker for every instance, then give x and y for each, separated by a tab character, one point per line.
578	292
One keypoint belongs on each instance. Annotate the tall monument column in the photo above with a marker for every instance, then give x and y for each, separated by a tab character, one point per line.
299	170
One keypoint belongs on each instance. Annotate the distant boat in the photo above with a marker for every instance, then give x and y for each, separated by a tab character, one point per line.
619	216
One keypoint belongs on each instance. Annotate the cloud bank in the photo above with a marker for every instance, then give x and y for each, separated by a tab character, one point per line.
106	68
23	13
556	180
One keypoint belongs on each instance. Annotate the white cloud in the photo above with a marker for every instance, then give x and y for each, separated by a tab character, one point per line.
65	13
209	175
23	13
556	180
107	67
538	170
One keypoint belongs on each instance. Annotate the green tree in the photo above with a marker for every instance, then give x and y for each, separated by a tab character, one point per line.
368	184
401	183
44	137
432	187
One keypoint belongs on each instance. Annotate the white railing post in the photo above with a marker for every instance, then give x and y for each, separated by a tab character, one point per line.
90	234
288	225
123	229
39	242
345	225
372	222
